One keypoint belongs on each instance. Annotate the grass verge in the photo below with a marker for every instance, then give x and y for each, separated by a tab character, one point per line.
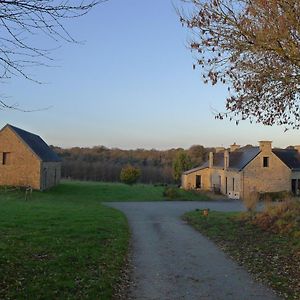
60	244
271	258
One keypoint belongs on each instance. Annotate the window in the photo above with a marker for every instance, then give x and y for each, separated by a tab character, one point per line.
266	162
232	184
5	158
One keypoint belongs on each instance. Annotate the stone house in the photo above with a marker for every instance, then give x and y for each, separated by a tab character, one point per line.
236	172
26	160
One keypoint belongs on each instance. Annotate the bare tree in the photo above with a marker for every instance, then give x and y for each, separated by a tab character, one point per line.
22	20
253	46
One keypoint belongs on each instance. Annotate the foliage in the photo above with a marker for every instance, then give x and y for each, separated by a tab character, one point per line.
171	193
60	244
275	196
253	48
282	218
182	162
251	201
105	164
198	154
130	174
271	258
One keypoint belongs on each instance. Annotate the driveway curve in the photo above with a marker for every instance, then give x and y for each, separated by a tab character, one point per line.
173	261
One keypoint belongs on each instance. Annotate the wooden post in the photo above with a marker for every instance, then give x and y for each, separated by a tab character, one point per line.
205	212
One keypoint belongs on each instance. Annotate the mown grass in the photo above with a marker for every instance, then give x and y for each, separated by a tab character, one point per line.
272	258
63	244
60	244
109	192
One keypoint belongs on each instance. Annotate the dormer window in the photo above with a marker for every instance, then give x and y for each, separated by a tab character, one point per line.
266	162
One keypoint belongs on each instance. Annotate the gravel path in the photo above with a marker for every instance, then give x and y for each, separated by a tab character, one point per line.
172	261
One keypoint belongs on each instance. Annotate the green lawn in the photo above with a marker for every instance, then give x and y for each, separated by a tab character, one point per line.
272	258
63	244
107	192
60	244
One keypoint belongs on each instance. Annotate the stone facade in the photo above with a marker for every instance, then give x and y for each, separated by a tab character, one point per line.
21	166
237	172
275	178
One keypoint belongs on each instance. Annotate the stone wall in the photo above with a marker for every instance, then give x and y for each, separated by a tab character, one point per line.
215	178
22	166
234	187
189	180
274	178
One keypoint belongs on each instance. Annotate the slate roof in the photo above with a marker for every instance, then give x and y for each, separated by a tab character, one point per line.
237	161
36	144
240	158
203	166
290	157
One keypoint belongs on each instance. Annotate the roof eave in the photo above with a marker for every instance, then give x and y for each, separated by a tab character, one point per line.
194	170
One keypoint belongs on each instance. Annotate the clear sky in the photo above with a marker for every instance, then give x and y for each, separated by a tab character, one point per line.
131	85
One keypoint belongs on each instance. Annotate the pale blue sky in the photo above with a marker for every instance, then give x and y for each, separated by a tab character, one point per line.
131	85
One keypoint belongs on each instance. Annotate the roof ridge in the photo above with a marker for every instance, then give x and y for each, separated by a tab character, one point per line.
18	128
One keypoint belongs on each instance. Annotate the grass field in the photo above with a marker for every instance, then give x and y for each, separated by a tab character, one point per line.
272	258
107	192
61	244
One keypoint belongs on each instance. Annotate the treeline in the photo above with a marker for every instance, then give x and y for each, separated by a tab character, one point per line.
105	164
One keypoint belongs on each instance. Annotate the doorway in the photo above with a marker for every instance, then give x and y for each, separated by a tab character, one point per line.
295	186
198	181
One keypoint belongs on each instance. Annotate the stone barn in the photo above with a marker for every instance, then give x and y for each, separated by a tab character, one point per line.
26	160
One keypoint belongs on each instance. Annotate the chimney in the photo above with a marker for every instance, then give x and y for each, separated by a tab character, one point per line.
234	147
265	146
211	159
219	149
297	147
226	159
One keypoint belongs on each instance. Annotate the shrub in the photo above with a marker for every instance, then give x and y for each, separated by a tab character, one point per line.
280	218
276	196
251	201
130	174
171	193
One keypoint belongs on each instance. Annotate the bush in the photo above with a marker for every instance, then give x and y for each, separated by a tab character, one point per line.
130	174
171	193
280	218
276	196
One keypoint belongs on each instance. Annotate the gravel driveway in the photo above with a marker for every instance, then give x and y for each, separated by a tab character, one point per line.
173	261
